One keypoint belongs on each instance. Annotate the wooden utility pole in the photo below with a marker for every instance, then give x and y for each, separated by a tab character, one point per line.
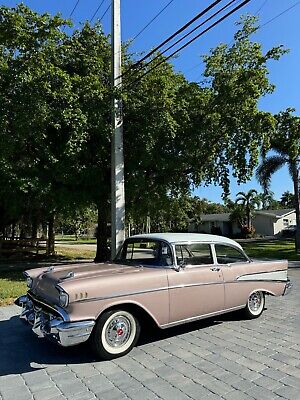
117	158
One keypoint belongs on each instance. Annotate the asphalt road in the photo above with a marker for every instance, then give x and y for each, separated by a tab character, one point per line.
225	358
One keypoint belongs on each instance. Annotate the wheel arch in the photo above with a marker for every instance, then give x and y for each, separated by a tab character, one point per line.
142	314
263	290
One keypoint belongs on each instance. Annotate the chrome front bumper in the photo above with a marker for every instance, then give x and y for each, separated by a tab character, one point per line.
45	324
288	287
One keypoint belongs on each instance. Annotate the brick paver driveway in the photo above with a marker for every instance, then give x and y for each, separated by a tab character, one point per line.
223	358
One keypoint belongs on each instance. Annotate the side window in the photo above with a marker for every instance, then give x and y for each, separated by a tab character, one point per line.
194	254
228	254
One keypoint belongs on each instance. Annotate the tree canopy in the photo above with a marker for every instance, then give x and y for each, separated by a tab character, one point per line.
55	112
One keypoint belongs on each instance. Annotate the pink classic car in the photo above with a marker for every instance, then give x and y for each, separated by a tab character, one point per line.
169	278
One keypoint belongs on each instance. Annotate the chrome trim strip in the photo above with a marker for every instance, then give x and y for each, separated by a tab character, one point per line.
148	291
262	272
258	280
191	319
120	295
114	296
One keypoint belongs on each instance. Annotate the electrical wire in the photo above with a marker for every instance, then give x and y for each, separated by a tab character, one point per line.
96	12
192	40
74	8
105	12
280	14
135	65
261	7
189	33
152	20
261	26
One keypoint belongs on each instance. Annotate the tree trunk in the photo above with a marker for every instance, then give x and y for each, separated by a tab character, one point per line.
103	251
34	228
51	236
248	218
295	174
44	230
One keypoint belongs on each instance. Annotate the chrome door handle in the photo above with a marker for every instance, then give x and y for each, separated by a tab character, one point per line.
215	269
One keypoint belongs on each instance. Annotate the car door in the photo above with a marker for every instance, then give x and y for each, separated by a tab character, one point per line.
196	289
233	263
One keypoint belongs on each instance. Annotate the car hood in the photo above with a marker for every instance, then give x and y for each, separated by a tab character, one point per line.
78	279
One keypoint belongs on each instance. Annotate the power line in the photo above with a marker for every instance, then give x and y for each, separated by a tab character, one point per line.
192	31
135	65
261	7
74	8
193	39
105	12
96	12
152	20
261	26
280	14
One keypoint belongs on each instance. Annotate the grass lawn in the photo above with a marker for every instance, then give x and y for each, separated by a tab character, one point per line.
12	285
274	249
12	281
70	239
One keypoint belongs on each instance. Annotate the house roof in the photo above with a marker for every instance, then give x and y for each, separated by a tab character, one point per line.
215	217
276	213
225	217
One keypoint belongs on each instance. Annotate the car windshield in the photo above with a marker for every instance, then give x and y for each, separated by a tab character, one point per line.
145	252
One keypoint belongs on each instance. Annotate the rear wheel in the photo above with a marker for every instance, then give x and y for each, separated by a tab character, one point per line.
255	304
115	334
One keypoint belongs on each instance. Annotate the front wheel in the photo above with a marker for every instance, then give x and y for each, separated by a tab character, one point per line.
255	305
115	334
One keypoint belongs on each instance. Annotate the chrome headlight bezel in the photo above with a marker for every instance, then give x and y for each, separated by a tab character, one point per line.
29	280
63	298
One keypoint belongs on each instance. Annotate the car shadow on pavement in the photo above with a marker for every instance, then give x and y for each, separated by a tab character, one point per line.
21	351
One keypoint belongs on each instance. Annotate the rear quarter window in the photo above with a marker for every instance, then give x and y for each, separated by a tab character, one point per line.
228	254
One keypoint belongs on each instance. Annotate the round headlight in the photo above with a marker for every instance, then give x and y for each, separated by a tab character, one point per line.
63	299
29	282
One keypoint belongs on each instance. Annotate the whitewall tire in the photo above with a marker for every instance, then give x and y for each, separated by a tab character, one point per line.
115	334
255	304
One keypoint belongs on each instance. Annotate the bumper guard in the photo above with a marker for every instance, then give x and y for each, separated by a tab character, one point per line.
52	327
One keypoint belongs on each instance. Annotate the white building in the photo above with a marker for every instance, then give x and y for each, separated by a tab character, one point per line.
265	222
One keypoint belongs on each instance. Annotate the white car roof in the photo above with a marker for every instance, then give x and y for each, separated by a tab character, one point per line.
188	237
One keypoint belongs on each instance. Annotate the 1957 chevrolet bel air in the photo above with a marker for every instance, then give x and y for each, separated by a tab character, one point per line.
170	278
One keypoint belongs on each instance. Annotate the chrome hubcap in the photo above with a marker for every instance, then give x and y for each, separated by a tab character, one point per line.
118	331
255	301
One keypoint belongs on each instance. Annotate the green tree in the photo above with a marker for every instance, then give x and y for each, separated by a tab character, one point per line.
55	111
55	122
287	199
266	199
237	77
285	144
238	215
249	201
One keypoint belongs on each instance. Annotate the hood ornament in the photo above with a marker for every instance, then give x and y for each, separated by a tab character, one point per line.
68	276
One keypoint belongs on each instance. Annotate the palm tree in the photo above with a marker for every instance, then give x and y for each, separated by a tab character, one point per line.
287	199
285	144
249	201
266	199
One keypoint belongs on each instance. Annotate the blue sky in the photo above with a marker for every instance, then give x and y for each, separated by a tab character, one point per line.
137	13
